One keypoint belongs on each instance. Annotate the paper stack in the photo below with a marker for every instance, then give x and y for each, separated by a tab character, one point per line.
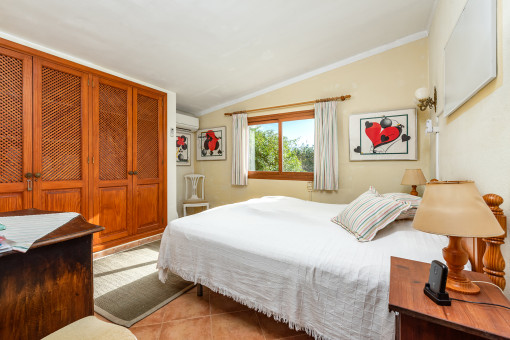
4	244
20	232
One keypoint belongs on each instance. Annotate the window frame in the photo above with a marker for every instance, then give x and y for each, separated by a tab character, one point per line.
280	118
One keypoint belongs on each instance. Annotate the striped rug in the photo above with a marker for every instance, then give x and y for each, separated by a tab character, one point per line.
127	288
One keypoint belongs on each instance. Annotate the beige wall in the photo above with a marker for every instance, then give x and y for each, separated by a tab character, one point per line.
382	82
474	141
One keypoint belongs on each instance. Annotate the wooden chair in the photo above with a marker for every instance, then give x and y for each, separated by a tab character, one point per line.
194	200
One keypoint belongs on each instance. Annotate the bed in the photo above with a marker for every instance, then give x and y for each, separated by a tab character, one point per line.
284	257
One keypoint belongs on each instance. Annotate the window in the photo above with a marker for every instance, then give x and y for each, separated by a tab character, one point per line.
281	146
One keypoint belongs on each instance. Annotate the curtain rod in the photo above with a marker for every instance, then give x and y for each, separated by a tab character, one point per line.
341	98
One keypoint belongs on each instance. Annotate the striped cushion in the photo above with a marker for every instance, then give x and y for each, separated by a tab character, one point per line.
403	197
368	214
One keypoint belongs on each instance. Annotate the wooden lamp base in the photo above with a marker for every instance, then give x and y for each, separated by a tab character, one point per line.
456	258
413	191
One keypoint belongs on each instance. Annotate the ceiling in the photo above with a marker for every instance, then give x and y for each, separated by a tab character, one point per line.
214	52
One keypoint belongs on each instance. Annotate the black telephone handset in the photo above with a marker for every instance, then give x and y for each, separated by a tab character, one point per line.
435	289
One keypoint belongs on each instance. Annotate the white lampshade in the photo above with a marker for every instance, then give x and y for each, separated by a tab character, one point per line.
422	93
413	177
455	209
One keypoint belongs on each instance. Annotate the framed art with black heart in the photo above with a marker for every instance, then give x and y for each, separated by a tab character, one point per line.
383	136
183	144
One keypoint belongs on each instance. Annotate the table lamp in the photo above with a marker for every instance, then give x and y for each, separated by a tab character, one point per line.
413	177
456	209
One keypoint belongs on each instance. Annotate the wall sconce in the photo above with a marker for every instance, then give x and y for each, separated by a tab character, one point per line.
424	101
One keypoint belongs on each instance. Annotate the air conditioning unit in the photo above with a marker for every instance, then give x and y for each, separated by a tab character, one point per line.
185	122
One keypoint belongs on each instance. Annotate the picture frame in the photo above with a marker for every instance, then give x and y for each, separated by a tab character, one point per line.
383	136
212	144
183	148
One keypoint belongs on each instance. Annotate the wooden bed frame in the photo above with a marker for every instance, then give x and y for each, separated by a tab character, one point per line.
485	253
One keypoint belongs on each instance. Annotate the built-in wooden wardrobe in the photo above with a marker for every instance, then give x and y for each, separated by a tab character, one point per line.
76	139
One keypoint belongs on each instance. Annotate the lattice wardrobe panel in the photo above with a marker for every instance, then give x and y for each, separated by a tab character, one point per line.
61	126
11	119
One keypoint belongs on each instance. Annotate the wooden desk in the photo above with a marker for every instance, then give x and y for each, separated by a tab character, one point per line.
420	318
50	286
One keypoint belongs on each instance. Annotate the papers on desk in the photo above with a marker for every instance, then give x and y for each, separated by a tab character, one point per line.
20	232
4	245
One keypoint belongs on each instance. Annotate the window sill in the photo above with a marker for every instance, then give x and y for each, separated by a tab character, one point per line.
289	176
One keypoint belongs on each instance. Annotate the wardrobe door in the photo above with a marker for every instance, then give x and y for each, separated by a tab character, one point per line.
15	130
60	138
148	161
112	143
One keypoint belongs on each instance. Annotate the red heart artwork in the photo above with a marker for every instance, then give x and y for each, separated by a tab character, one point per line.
380	136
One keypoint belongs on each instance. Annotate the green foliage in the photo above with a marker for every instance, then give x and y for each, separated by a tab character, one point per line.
266	149
296	158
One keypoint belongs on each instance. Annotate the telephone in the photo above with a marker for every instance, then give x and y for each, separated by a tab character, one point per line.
435	289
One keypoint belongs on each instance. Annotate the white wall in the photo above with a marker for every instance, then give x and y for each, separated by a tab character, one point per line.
474	141
171	110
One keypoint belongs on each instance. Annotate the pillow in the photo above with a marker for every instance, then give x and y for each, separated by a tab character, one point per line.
369	213
403	197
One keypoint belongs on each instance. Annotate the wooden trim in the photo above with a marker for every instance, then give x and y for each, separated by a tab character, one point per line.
165	161
50	57
341	98
289	176
113	243
280	147
288	116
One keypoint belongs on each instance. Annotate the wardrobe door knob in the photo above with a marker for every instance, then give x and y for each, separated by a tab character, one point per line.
130	172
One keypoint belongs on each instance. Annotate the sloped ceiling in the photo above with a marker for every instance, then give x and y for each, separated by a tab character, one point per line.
212	52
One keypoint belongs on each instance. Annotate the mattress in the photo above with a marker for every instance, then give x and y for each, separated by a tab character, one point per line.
284	257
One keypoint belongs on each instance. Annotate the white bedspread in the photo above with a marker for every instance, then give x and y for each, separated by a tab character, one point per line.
283	256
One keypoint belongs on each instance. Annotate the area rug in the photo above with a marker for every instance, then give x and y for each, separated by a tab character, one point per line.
127	288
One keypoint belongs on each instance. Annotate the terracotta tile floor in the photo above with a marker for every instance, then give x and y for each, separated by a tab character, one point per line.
212	316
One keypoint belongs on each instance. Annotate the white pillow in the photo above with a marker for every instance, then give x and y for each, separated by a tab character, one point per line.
369	213
403	197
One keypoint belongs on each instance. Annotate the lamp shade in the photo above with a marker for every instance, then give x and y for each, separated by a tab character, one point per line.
413	177
422	93
455	209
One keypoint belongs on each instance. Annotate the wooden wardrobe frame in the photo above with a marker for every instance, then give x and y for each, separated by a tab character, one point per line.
92	73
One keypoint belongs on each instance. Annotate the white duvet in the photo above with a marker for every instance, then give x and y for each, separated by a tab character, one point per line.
283	256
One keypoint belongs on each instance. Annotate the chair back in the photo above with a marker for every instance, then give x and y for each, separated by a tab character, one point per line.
194	181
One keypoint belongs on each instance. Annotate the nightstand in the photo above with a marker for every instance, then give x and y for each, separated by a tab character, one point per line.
417	317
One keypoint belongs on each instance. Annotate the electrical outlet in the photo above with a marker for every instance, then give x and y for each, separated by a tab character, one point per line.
172	132
309	186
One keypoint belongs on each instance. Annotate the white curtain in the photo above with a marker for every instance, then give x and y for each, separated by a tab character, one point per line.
325	163
240	149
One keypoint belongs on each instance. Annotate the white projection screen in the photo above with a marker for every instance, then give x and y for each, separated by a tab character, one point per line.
470	53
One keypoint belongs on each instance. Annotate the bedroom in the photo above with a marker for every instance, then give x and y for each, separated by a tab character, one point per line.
380	76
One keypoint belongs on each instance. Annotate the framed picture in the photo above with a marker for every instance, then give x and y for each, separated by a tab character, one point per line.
183	145
211	144
383	136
